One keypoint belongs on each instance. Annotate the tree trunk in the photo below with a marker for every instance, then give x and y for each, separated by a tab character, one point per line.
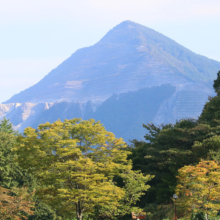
79	211
79	216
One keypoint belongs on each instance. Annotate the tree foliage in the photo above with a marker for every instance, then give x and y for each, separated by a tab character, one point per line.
6	126
168	148
75	162
15	204
13	176
199	188
216	84
134	186
211	111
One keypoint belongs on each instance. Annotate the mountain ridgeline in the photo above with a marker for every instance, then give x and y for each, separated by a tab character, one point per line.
133	75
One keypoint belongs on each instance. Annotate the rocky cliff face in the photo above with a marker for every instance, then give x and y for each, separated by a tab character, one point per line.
101	81
22	114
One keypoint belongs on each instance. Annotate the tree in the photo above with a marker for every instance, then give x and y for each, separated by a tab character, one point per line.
13	176
216	84
134	187
199	188
16	203
211	110
6	126
168	148
75	162
42	211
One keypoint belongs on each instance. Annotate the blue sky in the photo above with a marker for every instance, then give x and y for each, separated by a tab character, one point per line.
36	36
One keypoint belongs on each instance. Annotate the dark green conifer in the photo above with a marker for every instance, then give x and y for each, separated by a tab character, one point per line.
211	111
216	84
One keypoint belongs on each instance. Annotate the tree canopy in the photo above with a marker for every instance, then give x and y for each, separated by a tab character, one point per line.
15	178
6	126
15	204
75	162
199	188
211	110
11	174
216	84
169	147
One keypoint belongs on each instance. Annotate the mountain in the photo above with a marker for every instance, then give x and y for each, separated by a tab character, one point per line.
133	75
127	58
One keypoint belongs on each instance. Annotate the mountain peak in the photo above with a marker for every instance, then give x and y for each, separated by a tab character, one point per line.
129	57
128	24
131	33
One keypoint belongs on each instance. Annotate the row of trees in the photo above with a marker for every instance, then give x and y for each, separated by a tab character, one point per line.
173	153
76	169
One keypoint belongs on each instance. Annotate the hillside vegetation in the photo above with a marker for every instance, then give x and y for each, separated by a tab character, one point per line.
75	169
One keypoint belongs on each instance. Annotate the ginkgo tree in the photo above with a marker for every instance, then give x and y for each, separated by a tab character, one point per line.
199	188
75	162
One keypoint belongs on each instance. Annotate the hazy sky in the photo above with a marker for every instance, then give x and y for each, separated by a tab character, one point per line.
37	35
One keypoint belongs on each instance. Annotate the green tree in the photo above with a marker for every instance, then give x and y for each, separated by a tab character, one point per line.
216	84
134	187
6	126
13	176
168	148
211	110
75	163
42	211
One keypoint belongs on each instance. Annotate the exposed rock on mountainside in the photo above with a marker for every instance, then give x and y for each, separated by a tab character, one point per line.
129	61
23	114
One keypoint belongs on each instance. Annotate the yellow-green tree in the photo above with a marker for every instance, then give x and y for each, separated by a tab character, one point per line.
75	162
199	188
